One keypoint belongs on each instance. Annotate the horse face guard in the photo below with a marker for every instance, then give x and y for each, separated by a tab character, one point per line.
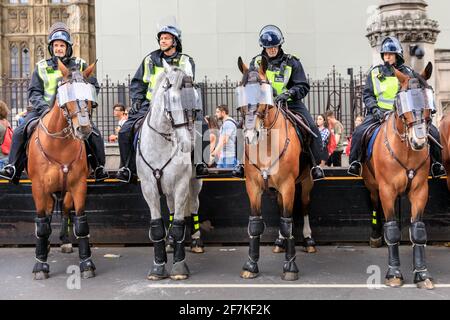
187	95
415	106
255	98
78	92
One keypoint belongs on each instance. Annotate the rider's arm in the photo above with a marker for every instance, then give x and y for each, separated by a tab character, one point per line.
36	92
298	84
369	98
138	88
193	67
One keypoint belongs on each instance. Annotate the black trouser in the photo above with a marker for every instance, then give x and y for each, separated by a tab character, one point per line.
355	153
335	159
126	137
316	143
95	145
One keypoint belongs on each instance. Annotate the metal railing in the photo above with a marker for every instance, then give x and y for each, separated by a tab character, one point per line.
342	95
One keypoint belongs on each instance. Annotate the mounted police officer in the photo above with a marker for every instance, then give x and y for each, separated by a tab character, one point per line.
379	96
142	85
288	79
42	94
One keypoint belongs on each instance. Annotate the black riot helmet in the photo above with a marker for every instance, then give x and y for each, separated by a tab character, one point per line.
271	36
392	45
176	33
59	31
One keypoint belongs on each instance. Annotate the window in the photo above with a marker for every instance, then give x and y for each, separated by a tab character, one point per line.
25	63
18	1
20	62
15	63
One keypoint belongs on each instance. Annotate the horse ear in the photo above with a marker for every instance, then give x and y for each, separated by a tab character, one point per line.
64	70
263	66
426	74
402	78
242	66
89	70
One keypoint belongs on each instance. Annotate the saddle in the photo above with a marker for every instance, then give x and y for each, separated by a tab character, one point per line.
369	137
136	129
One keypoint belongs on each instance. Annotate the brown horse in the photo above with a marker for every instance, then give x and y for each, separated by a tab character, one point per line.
400	165
57	163
272	161
444	128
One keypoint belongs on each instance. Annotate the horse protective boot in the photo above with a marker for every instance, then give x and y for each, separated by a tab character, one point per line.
197	245
290	269
392	237
169	243
157	235
41	269
376	236
180	270
256	228
418	234
81	232
66	245
280	244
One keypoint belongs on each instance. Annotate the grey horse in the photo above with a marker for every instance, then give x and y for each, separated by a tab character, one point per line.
165	168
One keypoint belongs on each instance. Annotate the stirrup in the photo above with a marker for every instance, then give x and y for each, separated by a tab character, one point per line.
440	170
100	174
8	177
352	173
121	173
318	177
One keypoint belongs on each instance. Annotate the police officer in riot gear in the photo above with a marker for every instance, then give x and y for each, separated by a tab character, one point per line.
41	94
142	85
379	96
288	79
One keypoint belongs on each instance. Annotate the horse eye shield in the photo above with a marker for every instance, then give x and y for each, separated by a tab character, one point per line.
76	91
254	94
415	100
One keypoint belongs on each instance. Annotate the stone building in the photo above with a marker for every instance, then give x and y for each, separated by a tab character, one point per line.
24	26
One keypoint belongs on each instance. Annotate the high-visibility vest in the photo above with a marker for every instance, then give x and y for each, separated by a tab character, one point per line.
385	89
50	77
151	72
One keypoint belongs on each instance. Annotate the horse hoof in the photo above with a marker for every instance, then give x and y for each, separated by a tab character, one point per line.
67	248
39	276
289	276
376	243
88	274
311	250
179	277
394	282
154	277
278	249
169	249
427	284
248	275
198	250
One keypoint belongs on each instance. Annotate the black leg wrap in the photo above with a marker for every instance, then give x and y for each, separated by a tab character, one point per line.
392	237
81	231
195	226
81	227
43	232
178	233
418	235
286	229
64	232
281	243
256	228
157	235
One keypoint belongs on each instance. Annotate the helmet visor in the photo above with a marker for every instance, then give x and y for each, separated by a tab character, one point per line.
271	36
60	35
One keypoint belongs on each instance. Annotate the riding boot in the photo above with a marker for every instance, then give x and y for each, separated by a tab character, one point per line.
317	172
256	228
355	169
81	232
418	234
96	154
43	231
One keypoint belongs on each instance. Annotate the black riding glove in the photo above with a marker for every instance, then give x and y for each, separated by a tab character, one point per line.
283	98
135	108
377	114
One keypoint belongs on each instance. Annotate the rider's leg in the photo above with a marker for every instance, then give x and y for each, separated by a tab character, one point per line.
17	155
95	147
437	169
355	151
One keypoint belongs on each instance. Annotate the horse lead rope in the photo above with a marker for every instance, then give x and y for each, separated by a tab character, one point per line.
410	173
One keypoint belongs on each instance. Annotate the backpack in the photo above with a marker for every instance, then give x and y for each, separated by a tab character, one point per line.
7	139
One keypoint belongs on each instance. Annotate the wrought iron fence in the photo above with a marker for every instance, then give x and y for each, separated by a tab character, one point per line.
342	95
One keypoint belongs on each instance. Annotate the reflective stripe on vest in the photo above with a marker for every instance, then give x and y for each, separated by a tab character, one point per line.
151	72
50	77
385	91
